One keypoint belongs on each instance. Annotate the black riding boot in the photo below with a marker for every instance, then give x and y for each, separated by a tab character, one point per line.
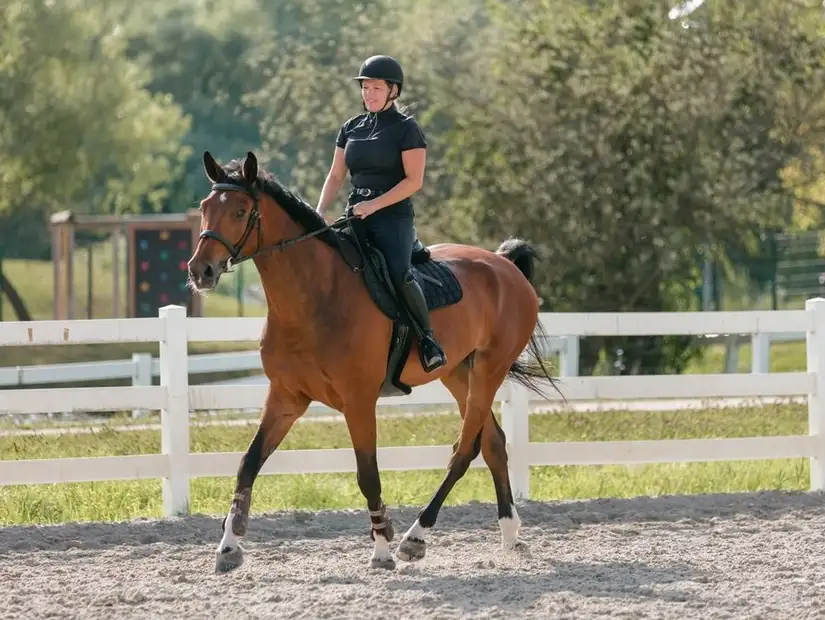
432	356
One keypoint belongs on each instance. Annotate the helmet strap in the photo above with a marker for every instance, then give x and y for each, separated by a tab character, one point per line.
390	98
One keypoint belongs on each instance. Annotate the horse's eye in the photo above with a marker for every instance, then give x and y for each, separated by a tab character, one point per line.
240	213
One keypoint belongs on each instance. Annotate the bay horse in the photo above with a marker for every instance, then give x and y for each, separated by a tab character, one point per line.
330	328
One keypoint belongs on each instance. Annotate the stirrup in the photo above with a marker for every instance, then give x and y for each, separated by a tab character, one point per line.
431	360
434	365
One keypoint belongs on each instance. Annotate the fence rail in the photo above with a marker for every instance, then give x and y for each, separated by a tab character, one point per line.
143	368
175	398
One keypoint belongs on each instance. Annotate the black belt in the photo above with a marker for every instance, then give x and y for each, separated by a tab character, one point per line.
364	191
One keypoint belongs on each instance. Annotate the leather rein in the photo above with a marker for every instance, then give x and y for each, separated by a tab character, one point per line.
253	221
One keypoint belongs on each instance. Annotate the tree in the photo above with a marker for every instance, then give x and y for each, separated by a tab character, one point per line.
200	54
77	128
315	48
631	143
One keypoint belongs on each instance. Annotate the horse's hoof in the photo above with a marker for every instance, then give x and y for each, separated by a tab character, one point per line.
385	563
517	546
411	550
228	560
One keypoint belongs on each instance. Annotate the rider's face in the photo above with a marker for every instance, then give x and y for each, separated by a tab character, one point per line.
375	94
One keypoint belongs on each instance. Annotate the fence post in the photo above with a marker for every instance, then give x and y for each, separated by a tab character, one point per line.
815	346
515	422
570	357
174	376
760	353
141	376
1	277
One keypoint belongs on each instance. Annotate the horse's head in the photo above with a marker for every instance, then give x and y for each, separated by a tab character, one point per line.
229	217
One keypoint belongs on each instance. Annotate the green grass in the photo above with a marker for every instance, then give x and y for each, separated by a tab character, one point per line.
785	357
125	500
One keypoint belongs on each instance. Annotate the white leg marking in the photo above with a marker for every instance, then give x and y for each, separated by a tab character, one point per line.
509	529
229	540
381	551
412	546
416	531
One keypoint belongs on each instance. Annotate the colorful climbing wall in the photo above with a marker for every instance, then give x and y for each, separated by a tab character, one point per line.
158	271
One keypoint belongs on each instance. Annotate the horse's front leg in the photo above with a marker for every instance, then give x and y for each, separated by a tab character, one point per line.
279	414
361	424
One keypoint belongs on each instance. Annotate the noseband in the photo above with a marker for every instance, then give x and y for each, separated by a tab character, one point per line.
254	221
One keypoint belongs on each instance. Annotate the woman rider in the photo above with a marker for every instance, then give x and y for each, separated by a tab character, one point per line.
384	151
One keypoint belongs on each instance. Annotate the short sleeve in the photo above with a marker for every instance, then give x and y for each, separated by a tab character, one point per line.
341	138
413	136
344	131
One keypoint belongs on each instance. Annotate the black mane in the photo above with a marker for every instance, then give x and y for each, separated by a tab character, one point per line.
298	209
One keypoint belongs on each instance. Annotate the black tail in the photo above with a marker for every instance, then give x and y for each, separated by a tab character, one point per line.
521	253
525	373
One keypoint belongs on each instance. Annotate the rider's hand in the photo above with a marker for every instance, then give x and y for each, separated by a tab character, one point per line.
364	209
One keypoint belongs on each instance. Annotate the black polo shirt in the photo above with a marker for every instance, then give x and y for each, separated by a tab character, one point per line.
372	144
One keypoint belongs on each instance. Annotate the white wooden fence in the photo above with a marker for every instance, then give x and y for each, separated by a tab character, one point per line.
176	465
142	368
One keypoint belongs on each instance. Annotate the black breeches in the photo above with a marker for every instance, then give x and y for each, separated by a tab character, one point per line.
395	237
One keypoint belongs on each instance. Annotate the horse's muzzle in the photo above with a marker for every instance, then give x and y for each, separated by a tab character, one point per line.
205	274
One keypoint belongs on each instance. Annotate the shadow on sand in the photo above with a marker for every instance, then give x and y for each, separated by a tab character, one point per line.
557	517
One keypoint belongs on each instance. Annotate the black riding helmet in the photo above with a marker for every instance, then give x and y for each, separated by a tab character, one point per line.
382	67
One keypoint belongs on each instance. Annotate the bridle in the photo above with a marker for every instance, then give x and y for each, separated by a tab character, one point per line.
254	220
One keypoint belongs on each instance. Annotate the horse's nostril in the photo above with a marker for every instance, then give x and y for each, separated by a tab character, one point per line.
209	272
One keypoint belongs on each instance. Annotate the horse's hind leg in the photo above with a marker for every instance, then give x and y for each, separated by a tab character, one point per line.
413	545
491	442
278	416
494	451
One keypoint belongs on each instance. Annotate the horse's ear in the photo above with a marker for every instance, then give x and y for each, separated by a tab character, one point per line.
250	168
213	170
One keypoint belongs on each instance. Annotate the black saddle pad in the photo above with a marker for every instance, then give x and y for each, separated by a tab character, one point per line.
438	282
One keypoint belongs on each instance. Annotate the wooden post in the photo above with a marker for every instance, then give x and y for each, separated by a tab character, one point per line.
174	418
515	422
68	249
62	224
815	346
570	357
116	273
760	353
57	274
141	376
90	279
